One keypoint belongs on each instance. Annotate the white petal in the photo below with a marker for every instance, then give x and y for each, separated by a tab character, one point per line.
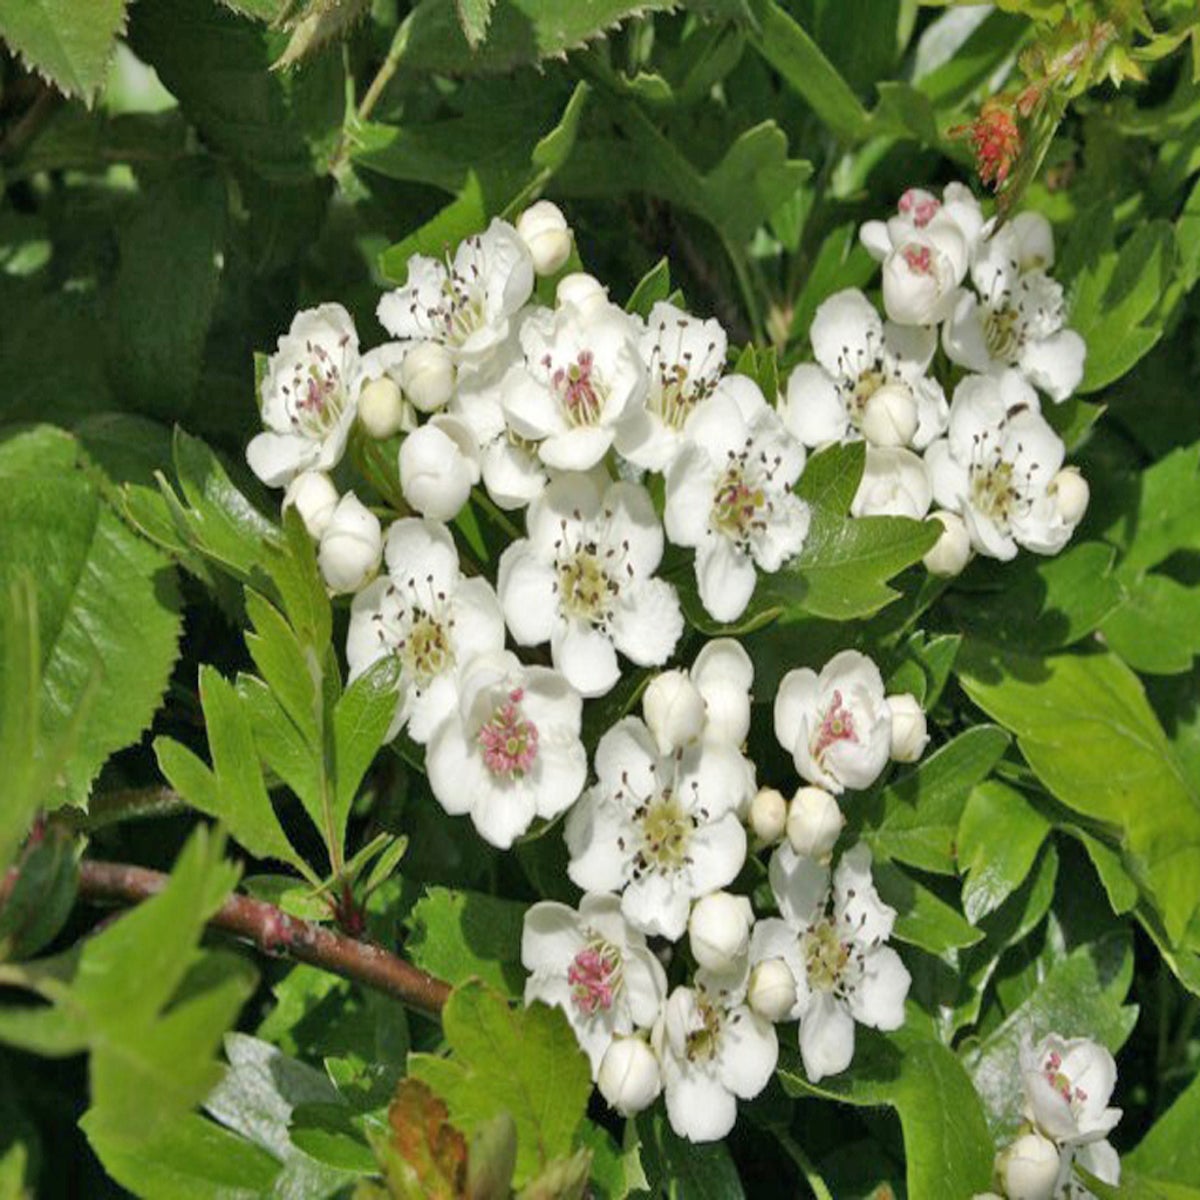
592	831
628	750
576	449
826	1037
529	407
633	527
559	772
801	886
551	937
645	985
846	334
502	812
1055	364
585	656
431	707
726	578
963	335
699	1107
456	772
655	905
878	1000
719	852
422	552
527	595
691	482
647	622
478	621
797	699
749	1051
276	458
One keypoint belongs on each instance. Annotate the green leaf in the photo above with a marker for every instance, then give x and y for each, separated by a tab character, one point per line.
922	919
69	43
946	1142
1085	727
156	351
1168	1152
107	608
524	1062
464	216
1082	993
785	45
998	841
1159	519
685	1170
474	16
456	935
521	32
654	286
915	819
42	895
841	262
1156	628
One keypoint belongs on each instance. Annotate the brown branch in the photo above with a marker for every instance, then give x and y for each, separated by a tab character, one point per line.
274	932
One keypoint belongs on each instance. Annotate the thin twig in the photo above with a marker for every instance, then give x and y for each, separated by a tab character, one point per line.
273	932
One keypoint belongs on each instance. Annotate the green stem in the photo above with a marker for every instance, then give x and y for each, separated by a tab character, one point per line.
811	1175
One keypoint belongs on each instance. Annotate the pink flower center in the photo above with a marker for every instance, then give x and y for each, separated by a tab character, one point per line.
576	389
920	206
594	977
1059	1082
919	259
836	726
508	741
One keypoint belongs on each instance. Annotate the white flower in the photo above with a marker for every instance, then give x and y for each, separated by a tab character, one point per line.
629	1077
512	472
308	397
921	278
509	750
581	372
833	939
952	551
920	212
909	729
836	725
1017	318
594	967
314	497
864	364
768	815
439	464
662	828
814	823
685	357
719	930
429	616
1028	1169
464	304
544	230
723	674
729	495
1068	1083
895	483
351	546
995	466
583	581
711	1055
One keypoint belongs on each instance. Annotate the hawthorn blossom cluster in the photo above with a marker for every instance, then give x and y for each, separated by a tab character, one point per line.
614	436
1067	1084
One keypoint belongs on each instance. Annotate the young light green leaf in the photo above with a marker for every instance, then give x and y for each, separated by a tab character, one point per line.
1168	1152
922	918
287	669
946	1142
473	16
70	44
654	286
456	935
524	1062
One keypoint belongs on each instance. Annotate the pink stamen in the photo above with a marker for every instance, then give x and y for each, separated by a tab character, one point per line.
591	978
919	259
921	206
578	392
836	726
509	742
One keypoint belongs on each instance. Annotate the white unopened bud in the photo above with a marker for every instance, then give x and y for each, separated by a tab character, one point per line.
544	230
351	546
917	286
719	930
952	551
768	815
439	464
772	990
674	710
588	295
1070	492
1028	1169
381	408
910	733
890	416
814	822
314	497
629	1077
427	376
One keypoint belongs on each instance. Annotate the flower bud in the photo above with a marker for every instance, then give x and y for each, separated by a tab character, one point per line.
814	822
584	291
917	285
381	407
952	551
772	990
1028	1169
1070	493
439	464
351	546
909	732
768	815
314	497
890	416
545	232
629	1078
427	376
674	710
719	929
